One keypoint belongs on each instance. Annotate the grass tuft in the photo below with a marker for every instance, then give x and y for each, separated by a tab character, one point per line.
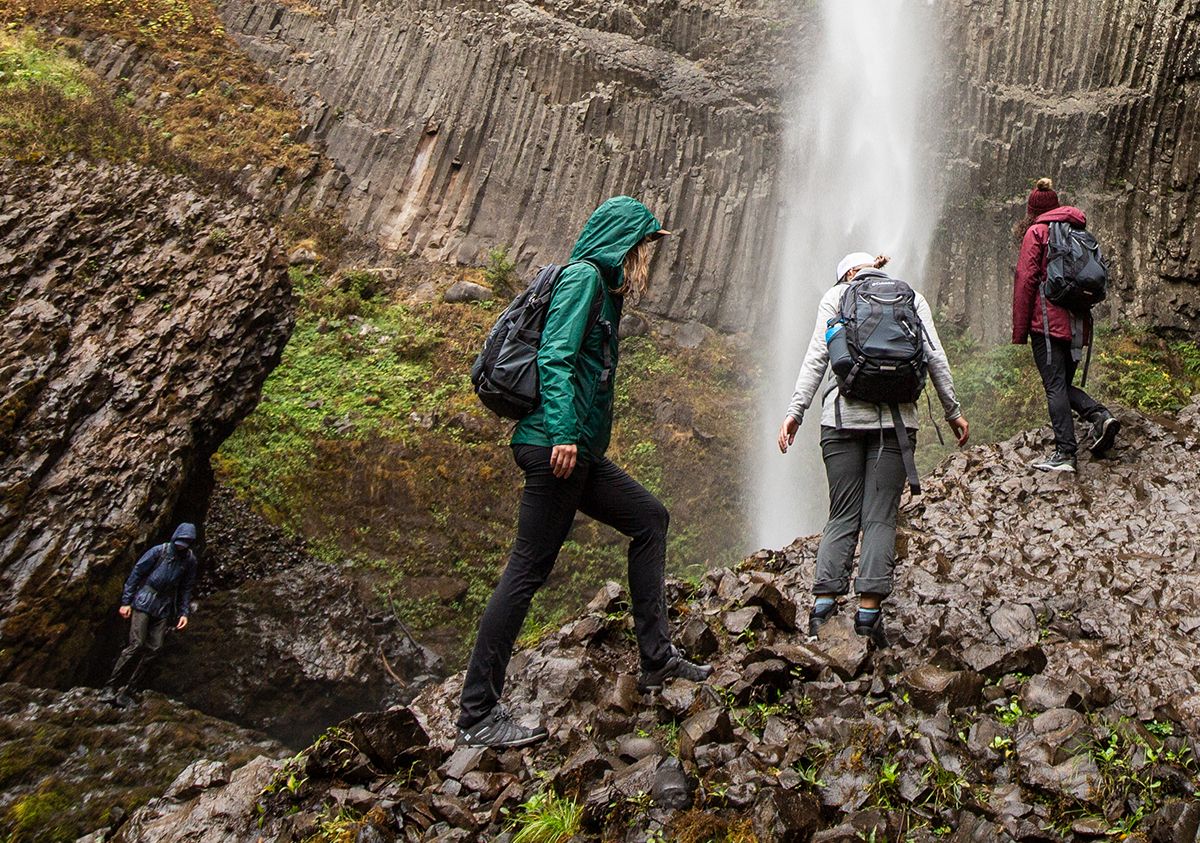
547	818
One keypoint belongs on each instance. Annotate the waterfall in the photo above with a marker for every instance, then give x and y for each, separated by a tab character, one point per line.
857	174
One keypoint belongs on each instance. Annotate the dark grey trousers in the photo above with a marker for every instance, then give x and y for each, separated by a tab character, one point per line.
145	640
602	491
866	476
1062	396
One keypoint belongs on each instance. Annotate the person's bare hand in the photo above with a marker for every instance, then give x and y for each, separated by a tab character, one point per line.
125	611
182	622
962	430
787	433
563	459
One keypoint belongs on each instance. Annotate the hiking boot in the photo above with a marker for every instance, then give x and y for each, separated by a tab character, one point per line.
108	694
818	617
1104	434
499	730
124	700
677	667
1058	461
871	626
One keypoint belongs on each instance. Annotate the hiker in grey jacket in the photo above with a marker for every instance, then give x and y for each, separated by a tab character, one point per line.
863	462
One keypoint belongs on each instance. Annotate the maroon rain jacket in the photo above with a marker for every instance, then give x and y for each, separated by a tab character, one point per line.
1031	272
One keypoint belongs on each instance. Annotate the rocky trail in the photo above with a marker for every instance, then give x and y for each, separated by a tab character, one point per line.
1041	686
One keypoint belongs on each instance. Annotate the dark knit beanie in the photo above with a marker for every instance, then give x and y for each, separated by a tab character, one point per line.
1042	198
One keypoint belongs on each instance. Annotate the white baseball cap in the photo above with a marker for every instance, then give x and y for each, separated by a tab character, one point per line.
852	260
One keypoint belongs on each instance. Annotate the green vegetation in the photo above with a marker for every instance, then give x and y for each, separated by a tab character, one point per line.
45	814
546	818
501	272
370	444
208	111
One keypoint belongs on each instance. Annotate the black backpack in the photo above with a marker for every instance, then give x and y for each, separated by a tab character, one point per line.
877	351
505	374
1076	280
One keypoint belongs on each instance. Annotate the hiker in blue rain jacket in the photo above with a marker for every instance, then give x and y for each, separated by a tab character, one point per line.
157	592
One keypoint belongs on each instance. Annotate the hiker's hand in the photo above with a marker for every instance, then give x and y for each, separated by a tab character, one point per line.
125	611
563	459
787	433
961	429
182	622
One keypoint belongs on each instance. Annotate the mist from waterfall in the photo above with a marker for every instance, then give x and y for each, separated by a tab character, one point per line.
857	175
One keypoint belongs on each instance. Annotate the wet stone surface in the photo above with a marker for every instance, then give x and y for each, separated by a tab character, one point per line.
1040	686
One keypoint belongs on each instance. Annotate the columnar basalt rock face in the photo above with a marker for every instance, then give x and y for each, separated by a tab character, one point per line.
140	318
458	126
1102	95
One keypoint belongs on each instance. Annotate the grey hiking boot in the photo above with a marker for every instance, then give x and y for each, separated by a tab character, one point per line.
1058	461
677	667
1104	434
871	626
108	694
818	617
498	729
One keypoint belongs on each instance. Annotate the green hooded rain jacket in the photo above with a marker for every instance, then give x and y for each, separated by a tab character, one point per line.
576	408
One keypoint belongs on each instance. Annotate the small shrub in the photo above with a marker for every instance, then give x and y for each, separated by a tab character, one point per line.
501	272
547	818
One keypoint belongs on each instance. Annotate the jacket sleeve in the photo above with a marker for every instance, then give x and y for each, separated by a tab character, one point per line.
562	339
143	569
189	582
1025	284
816	360
939	364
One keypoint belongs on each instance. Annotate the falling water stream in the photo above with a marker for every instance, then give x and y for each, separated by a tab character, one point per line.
857	176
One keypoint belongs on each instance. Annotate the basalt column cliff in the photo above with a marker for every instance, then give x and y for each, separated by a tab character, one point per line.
458	126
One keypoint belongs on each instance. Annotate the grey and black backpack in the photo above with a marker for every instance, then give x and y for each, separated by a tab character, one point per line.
1076	280
877	351
505	373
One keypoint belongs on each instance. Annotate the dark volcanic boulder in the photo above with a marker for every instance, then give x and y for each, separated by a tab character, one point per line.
140	318
291	654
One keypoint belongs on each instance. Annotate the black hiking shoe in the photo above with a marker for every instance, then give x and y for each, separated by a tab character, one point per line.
1104	435
1058	461
677	667
108	694
871	626
498	729
818	617
124	699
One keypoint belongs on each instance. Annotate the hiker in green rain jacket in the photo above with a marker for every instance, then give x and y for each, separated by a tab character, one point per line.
561	447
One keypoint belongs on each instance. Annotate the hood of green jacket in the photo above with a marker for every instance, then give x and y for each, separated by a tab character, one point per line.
611	231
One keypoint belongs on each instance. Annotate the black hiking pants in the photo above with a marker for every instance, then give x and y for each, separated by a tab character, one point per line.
602	491
1058	371
145	640
866	476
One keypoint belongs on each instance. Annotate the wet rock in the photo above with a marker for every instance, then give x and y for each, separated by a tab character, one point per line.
786	816
741	620
466	759
698	639
196	777
845	650
1091	827
778	609
636	779
1015	624
635	748
608	599
765	678
1075	777
584	766
633	325
996	661
931	686
680	697
222	813
130	348
1042	693
1176	821
392	739
302	256
710	726
467	291
671	789
624	695
453	810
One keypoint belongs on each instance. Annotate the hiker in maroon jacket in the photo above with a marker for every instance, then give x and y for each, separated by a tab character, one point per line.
1058	366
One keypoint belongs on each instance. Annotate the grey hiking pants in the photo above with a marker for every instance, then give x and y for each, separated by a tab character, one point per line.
145	640
866	476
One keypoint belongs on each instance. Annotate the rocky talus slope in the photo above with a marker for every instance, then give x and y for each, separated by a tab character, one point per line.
1041	686
69	763
140	319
